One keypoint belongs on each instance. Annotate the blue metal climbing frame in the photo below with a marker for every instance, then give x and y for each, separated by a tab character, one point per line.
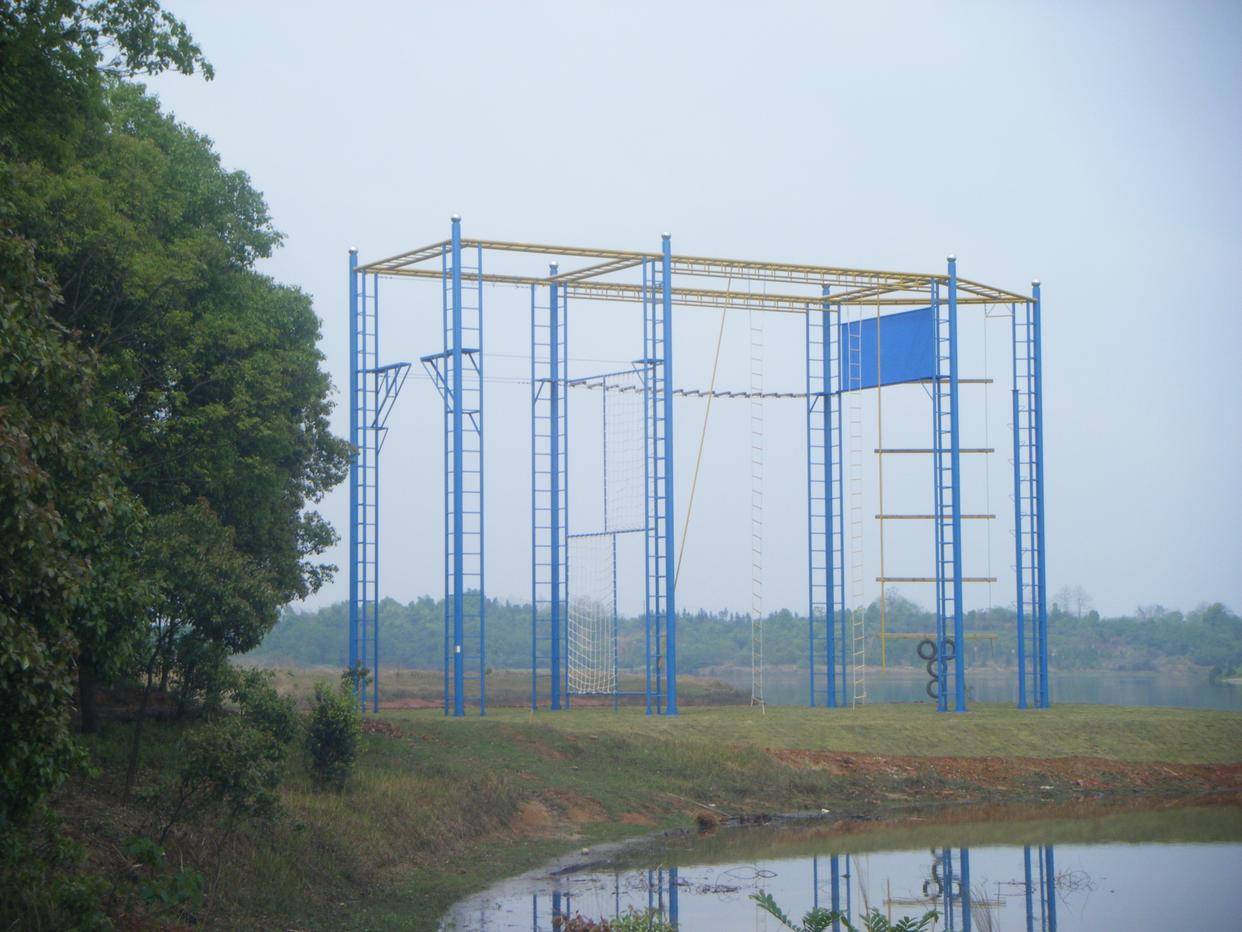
549	494
372	391
656	364
1028	498
836	364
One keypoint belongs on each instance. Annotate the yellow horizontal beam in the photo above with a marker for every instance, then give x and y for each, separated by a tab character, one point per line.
861	284
598	290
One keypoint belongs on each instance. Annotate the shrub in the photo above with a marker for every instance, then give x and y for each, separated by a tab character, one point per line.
232	763
332	738
819	919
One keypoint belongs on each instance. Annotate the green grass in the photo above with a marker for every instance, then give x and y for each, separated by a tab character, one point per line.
441	807
1114	733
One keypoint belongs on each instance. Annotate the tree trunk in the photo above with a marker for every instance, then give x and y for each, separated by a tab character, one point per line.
131	771
88	699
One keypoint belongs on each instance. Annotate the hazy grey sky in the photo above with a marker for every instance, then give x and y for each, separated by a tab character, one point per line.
1095	146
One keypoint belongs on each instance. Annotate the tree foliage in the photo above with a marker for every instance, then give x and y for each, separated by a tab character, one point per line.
61	502
164	410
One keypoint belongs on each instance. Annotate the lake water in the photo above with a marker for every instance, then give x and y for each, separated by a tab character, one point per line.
1173	869
786	687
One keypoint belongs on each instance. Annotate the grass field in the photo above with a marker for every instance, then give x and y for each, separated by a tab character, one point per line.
440	807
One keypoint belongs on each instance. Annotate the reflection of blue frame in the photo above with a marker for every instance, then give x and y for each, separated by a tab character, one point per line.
906	351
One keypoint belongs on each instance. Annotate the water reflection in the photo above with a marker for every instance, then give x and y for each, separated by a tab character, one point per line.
945	888
1128	869
661	887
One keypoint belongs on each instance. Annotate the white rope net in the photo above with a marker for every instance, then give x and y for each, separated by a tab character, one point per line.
624	492
592	614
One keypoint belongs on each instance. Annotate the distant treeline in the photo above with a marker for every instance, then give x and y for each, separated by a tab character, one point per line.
411	635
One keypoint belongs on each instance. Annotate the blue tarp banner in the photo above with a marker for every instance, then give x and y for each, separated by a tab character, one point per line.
907	349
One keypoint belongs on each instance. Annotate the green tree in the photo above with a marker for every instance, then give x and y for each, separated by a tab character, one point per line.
56	56
60	502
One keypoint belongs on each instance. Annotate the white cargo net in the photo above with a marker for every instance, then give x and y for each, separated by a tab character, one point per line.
592	615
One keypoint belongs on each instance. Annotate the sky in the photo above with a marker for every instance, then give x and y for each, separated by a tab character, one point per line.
1092	146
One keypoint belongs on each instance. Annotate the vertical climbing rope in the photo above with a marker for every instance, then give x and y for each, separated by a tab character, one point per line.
698	459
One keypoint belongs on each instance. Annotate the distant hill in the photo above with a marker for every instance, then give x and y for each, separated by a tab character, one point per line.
411	635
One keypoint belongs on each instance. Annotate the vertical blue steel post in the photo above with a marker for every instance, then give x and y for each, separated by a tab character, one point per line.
554	430
670	563
459	699
810	529
965	889
948	888
672	896
1030	903
1050	890
839	462
352	646
478	361
834	866
534	502
647	372
375	569
955	446
1044	697
446	317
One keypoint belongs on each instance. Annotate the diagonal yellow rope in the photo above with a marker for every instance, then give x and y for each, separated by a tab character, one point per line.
698	460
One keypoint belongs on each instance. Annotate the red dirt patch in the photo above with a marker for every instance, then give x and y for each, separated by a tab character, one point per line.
533	818
1009	773
635	818
576	808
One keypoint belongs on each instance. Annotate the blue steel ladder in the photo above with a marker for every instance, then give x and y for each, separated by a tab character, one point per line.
824	493
942	443
458	373
656	466
857	633
373	392
1027	504
364	556
549	497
